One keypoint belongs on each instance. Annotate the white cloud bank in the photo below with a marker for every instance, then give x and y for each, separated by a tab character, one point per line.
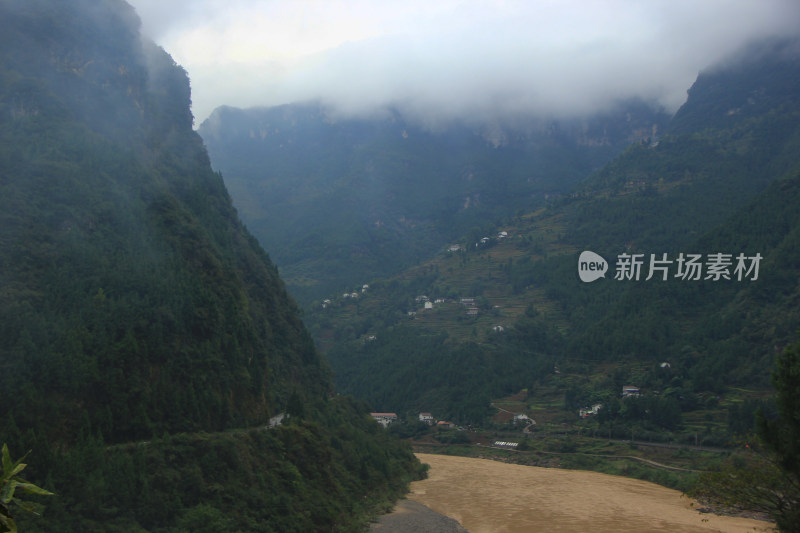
454	59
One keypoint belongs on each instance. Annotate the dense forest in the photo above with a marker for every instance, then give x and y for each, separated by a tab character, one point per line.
151	357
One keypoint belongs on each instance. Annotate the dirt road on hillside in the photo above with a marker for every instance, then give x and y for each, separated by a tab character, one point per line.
492	497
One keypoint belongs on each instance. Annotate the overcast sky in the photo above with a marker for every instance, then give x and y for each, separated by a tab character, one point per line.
446	59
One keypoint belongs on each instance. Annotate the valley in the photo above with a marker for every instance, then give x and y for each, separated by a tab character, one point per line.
270	320
658	379
339	200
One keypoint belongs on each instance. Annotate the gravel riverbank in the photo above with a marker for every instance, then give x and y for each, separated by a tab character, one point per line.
413	517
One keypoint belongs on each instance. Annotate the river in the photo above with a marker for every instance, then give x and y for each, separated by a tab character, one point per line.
488	496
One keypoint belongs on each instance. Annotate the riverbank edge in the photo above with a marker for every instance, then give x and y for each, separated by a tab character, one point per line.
408	516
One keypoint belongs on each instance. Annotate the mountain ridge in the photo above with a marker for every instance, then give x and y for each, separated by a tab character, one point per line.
140	322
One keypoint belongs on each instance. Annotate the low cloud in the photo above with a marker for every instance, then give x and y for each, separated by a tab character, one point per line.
480	60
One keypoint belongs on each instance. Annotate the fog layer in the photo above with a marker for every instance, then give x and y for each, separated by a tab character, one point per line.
479	60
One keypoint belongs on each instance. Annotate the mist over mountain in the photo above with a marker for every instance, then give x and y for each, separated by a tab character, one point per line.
508	315
338	202
760	78
155	363
450	61
151	357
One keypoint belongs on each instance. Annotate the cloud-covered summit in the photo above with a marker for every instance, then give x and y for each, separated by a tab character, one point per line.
482	60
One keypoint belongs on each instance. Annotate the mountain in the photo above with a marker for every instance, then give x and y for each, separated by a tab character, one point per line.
147	343
339	201
711	184
510	313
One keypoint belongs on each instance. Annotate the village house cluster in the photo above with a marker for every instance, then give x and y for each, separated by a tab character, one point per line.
486	240
347	296
384	419
426	304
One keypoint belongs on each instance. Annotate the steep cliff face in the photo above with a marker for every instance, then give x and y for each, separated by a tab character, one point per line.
134	304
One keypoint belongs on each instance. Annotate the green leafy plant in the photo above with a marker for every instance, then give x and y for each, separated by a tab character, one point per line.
9	483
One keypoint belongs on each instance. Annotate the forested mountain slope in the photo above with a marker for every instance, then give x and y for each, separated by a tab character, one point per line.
715	182
720	181
341	200
135	306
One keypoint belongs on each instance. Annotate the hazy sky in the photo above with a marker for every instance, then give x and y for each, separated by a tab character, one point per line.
444	59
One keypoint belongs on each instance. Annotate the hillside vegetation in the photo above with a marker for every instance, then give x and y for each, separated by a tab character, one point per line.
143	330
723	178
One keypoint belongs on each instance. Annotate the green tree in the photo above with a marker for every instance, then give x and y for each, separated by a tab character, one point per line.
9	483
782	437
767	477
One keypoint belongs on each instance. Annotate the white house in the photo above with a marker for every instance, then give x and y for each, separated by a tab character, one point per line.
630	390
426	418
384	419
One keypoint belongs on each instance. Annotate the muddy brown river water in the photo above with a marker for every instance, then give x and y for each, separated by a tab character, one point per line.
492	497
